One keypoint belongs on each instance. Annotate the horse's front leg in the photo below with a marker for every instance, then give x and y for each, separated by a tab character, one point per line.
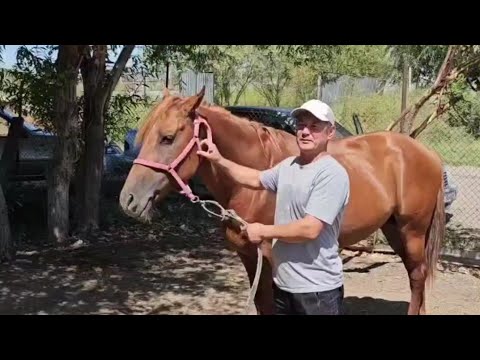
264	296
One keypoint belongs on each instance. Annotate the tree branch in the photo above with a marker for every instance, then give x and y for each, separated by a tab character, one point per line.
438	111
446	75
117	71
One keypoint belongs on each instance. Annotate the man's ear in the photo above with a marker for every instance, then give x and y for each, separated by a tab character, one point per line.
331	131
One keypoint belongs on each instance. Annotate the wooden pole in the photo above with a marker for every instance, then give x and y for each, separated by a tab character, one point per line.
404	126
319	87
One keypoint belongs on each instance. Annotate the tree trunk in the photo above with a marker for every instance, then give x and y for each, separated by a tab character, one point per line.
6	243
94	154
98	87
93	74
79	188
64	154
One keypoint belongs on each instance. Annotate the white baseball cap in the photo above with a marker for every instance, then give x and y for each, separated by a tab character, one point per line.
318	109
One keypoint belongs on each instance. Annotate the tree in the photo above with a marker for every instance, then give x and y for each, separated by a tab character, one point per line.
66	149
425	61
301	65
46	89
459	64
234	72
274	74
98	85
43	85
333	61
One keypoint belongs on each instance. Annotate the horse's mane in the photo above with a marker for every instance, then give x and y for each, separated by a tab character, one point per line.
272	141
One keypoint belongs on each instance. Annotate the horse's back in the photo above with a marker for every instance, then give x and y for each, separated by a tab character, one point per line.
385	149
388	172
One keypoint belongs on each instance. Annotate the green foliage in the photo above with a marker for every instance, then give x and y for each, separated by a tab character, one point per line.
30	86
198	57
332	61
274	73
234	72
425	60
465	108
303	85
122	115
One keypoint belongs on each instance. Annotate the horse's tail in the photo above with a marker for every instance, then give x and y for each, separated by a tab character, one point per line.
436	234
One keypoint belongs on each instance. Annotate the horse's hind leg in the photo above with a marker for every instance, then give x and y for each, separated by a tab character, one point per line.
415	263
410	246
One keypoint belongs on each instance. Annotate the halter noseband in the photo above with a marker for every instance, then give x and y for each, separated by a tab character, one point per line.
170	168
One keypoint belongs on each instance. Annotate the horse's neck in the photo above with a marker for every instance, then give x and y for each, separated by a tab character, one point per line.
237	141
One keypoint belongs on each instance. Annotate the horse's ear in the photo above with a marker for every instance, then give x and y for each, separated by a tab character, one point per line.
193	102
166	92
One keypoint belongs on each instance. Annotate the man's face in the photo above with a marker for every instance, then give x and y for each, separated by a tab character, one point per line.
313	134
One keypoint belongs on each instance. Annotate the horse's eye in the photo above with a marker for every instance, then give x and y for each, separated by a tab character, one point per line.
168	139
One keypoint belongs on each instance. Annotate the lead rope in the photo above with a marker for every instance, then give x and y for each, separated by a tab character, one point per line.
232	215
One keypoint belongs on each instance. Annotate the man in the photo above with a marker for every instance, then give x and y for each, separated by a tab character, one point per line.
312	191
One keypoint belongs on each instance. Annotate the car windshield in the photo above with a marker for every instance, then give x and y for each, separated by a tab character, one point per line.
31	127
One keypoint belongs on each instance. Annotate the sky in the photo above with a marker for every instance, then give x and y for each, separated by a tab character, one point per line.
10	55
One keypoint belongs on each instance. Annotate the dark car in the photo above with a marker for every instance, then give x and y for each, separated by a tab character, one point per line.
280	118
36	151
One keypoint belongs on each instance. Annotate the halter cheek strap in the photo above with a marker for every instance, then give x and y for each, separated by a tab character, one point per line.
170	168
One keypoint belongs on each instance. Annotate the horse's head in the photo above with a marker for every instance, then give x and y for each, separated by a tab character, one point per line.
167	158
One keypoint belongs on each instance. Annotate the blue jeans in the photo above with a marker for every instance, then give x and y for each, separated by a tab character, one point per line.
314	303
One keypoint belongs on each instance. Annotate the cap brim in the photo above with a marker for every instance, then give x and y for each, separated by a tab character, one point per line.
296	111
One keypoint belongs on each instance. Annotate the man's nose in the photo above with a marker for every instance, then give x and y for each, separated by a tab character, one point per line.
305	130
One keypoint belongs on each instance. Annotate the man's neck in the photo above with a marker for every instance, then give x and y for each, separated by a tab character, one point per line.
310	157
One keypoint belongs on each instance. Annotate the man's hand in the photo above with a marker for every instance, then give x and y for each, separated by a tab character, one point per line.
211	153
255	232
299	231
243	175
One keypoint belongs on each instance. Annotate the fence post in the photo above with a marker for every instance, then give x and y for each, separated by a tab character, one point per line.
319	87
405	127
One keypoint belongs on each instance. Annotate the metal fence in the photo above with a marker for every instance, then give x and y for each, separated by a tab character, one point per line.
185	83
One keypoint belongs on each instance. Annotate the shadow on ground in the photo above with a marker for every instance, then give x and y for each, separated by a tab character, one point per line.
124	268
372	306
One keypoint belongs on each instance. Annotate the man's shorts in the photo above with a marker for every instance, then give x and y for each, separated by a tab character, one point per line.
314	303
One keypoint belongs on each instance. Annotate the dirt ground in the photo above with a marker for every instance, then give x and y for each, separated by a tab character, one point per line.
179	265
378	284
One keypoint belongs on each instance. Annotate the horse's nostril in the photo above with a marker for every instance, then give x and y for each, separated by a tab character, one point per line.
130	199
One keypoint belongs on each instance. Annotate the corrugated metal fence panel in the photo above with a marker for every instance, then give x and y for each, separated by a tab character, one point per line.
192	82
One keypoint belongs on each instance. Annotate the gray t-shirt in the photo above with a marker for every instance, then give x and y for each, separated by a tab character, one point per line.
321	189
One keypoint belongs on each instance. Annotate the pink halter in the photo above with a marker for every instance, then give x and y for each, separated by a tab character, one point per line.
186	190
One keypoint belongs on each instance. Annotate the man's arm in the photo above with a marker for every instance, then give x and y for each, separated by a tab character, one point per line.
251	178
243	175
303	230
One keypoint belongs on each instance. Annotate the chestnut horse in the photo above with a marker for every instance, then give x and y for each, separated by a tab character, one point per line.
396	184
